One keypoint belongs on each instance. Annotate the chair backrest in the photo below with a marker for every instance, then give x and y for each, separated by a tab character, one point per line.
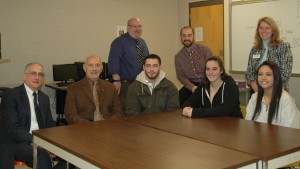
244	111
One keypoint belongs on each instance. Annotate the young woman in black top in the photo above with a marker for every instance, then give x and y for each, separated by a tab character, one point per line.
217	96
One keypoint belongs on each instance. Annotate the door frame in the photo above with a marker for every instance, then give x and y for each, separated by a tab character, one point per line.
207	3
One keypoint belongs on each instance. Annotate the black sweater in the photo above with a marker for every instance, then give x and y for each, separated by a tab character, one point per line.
225	102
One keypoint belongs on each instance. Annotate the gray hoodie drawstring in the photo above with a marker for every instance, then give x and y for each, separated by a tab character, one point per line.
223	86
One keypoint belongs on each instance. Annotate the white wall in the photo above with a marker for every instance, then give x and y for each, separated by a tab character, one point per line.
64	31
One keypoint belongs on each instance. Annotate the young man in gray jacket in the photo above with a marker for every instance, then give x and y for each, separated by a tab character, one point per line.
151	91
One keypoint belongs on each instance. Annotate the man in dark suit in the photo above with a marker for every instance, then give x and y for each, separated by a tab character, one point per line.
92	99
20	115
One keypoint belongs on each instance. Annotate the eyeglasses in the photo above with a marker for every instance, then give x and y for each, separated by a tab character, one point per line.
134	26
35	74
94	65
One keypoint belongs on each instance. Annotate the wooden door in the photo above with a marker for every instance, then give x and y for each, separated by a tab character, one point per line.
209	16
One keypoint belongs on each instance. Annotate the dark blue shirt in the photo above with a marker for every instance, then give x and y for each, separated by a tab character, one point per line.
123	58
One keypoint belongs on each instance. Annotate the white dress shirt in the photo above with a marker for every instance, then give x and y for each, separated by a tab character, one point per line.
34	124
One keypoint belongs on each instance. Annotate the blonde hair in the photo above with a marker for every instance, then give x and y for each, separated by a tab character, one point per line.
275	38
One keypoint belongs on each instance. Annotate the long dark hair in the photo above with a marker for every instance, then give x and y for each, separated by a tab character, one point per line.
221	65
276	92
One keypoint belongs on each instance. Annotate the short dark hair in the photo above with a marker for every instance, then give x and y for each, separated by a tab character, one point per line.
152	56
187	27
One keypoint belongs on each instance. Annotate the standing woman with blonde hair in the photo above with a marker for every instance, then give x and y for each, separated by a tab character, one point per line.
269	46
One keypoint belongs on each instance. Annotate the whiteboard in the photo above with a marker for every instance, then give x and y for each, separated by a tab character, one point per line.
244	18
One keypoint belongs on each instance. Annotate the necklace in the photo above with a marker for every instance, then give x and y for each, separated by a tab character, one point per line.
267	107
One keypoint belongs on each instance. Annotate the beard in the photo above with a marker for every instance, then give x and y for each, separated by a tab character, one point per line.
152	75
187	44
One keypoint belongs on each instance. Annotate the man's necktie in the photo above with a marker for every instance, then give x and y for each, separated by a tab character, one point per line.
37	110
140	54
97	114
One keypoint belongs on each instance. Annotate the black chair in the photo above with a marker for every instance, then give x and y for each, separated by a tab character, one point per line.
2	90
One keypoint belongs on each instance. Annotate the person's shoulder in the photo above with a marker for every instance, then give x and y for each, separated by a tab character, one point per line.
119	40
124	37
230	82
105	83
282	45
229	79
142	41
178	54
134	87
253	97
201	46
286	96
134	84
167	82
254	49
17	88
203	49
76	84
15	91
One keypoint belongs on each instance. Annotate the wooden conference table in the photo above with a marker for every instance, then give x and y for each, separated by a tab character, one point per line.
276	146
117	144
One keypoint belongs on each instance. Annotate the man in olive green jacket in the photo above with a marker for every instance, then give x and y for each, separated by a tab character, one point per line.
151	91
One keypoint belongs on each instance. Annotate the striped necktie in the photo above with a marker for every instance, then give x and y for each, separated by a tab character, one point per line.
37	110
97	113
140	54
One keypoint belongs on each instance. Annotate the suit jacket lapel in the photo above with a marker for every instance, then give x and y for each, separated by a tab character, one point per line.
101	93
87	89
25	101
41	108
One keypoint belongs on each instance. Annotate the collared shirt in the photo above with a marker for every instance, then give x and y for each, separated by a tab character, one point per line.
123	58
190	63
34	124
91	83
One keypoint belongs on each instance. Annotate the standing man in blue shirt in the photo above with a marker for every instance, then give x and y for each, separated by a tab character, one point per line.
123	60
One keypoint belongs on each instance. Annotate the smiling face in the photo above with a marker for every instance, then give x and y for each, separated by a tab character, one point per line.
134	28
187	37
265	31
93	67
213	71
152	68
265	77
34	76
